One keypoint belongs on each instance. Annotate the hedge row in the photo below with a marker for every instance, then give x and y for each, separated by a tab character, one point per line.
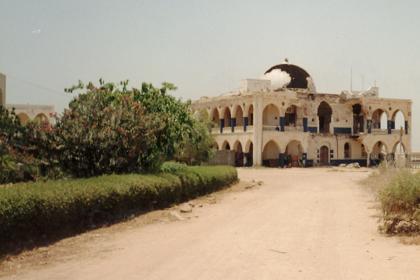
41	210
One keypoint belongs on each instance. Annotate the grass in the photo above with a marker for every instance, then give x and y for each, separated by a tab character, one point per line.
31	213
399	195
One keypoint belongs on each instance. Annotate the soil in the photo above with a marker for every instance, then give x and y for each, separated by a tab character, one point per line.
317	223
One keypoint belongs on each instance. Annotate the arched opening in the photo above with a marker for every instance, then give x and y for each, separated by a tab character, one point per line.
363	152
379	153
227	117
294	153
215	119
398	120
239	116
324	156
270	154
347	151
358	119
215	146
41	119
399	154
251	115
379	119
324	117
249	150
291	116
225	145
23	118
270	116
239	155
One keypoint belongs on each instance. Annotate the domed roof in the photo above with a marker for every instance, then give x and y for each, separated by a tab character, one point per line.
298	76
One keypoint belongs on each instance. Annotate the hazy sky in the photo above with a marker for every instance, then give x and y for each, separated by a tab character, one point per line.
207	47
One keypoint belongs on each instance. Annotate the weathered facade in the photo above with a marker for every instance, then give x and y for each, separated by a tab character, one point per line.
296	126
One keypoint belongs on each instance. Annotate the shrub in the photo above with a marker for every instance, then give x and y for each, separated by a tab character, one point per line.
399	195
33	211
16	160
172	167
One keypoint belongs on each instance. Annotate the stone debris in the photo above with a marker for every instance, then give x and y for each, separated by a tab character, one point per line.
350	165
185	208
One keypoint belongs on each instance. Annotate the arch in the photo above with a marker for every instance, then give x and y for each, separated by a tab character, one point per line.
399	148
400	154
379	153
239	116
249	153
291	115
398	120
41	118
225	145
324	117
379	119
294	151
239	154
347	150
23	118
227	117
363	152
358	118
250	115
324	155
270	115
215	145
215	117
270	155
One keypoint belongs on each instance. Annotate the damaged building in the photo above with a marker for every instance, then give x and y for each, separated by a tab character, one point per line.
281	120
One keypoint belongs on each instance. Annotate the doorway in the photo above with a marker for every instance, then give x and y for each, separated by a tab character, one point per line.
324	156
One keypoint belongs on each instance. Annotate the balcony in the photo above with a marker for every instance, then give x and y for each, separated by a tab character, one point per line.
227	130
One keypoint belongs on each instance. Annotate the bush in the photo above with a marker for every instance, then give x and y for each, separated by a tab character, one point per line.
34	211
16	160
400	201
172	167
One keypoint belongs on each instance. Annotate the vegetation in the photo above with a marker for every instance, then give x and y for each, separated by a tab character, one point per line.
16	160
399	194
41	210
107	129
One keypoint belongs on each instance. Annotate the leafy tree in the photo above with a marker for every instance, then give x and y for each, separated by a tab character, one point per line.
105	131
16	161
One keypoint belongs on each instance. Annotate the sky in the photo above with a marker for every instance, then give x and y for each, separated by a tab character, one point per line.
208	47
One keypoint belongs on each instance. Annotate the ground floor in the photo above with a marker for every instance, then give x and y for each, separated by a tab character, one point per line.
299	224
286	149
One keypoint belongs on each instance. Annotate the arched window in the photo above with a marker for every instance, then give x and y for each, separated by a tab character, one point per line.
324	116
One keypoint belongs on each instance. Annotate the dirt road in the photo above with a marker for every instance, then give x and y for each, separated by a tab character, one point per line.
300	224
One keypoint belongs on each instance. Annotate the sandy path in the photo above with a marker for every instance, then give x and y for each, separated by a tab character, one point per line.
300	224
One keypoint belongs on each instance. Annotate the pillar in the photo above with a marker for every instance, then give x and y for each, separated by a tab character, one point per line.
258	129
282	122
369	126
368	160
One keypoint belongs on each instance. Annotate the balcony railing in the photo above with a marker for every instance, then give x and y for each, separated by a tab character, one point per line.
228	129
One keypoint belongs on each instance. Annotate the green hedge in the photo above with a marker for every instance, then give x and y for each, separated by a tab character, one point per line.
35	211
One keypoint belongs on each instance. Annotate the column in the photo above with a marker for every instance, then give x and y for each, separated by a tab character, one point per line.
258	129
